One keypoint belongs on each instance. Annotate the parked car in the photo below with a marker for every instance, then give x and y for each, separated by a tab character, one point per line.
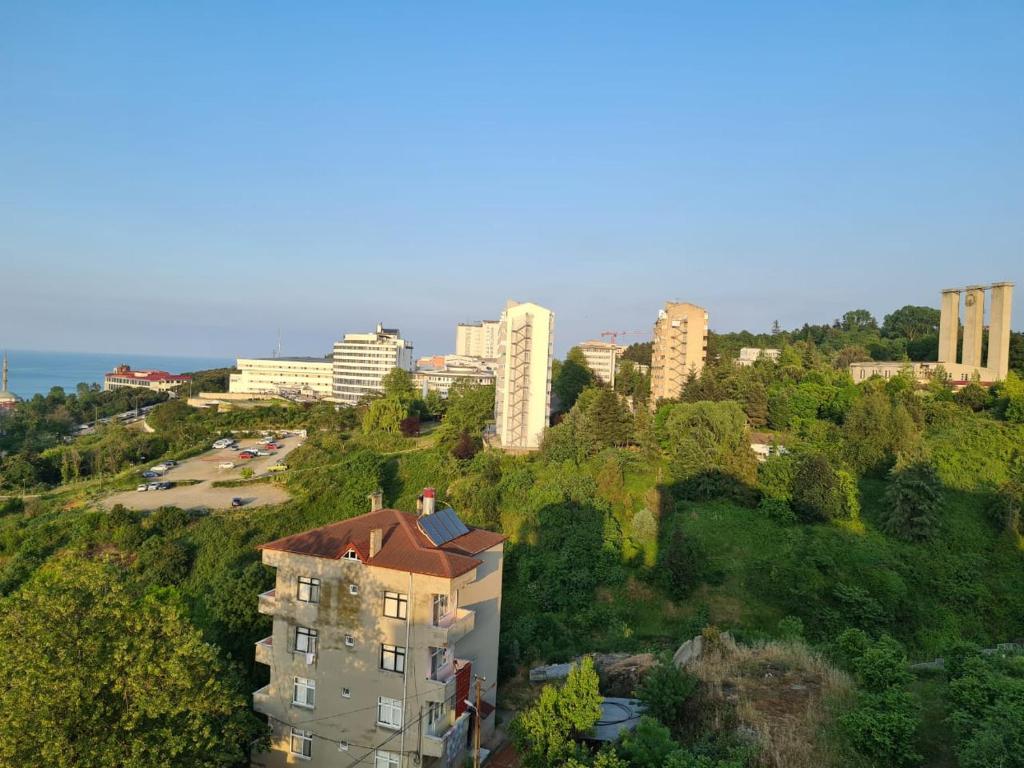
236	502
170	463
150	474
261	452
226	465
142	487
247	455
224	442
279	467
159	469
153	487
272	446
164	486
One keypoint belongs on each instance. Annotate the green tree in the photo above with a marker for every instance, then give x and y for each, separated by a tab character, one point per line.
546	732
665	690
882	729
397	384
822	493
385	414
570	378
911	322
858	320
648	746
104	677
912	502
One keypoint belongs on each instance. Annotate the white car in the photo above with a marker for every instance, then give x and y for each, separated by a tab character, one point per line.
142	487
159	469
227	465
222	443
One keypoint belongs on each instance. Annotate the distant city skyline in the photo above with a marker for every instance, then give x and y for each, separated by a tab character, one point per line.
188	179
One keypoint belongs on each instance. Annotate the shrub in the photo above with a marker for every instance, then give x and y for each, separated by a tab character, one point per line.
822	493
912	502
665	690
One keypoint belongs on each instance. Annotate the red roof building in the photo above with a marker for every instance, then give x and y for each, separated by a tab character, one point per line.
158	381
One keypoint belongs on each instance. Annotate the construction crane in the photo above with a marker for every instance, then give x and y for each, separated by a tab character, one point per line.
614	335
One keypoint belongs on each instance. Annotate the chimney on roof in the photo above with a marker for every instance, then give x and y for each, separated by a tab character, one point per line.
376	500
376	539
428	501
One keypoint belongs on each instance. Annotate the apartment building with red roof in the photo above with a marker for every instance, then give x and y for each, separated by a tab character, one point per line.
381	625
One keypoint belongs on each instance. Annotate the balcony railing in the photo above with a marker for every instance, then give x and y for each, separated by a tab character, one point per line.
452	627
268	602
437	734
265	650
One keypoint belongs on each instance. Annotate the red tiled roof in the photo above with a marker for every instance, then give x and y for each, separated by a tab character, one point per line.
403	546
148	375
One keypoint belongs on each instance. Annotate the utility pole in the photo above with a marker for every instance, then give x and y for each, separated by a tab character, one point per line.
476	733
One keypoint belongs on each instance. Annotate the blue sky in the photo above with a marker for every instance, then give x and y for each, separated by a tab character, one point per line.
186	178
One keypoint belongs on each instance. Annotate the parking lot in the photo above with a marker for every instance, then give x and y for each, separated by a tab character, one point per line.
205	470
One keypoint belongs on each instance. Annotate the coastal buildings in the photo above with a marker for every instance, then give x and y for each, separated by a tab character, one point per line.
680	347
303	377
970	364
750	355
158	381
602	358
440	373
522	400
381	625
477	339
362	360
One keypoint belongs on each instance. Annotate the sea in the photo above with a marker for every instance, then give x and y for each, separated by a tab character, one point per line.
32	372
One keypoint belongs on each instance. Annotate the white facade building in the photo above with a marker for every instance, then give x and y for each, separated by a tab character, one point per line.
308	377
456	368
602	358
477	339
750	355
522	400
362	360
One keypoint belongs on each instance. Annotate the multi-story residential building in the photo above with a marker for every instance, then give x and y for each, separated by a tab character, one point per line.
310	377
439	376
362	360
680	347
158	381
602	358
750	355
477	339
522	398
382	625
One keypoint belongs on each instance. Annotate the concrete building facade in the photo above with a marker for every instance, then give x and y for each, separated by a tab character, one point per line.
970	364
381	624
362	360
477	339
158	381
603	359
750	355
452	369
522	398
308	377
680	346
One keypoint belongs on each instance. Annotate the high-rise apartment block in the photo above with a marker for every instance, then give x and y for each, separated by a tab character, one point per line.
362	360
522	398
680	347
602	358
477	339
382	624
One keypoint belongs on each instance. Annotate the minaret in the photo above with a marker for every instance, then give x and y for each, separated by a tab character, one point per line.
3	386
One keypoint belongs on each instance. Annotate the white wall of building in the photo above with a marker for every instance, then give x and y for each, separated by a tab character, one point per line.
477	339
523	391
274	375
362	360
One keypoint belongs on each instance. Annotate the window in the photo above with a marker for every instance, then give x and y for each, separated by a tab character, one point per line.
396	605
309	589
389	712
353	589
437	661
350	642
305	640
440	608
301	743
343	746
350	555
346	693
304	692
392	658
384	759
435	717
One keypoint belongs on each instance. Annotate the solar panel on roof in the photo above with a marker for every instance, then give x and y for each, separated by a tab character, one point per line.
442	526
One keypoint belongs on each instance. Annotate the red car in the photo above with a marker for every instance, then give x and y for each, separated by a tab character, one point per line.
247	455
272	446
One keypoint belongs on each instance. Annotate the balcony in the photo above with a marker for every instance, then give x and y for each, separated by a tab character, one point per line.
261	699
265	650
436	736
452	627
268	602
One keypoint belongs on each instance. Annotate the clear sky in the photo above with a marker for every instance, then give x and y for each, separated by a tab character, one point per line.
186	178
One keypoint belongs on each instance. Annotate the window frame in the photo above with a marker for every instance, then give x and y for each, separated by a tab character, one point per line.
311	636
390	759
308	686
397	654
312	585
392	708
400	603
306	743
